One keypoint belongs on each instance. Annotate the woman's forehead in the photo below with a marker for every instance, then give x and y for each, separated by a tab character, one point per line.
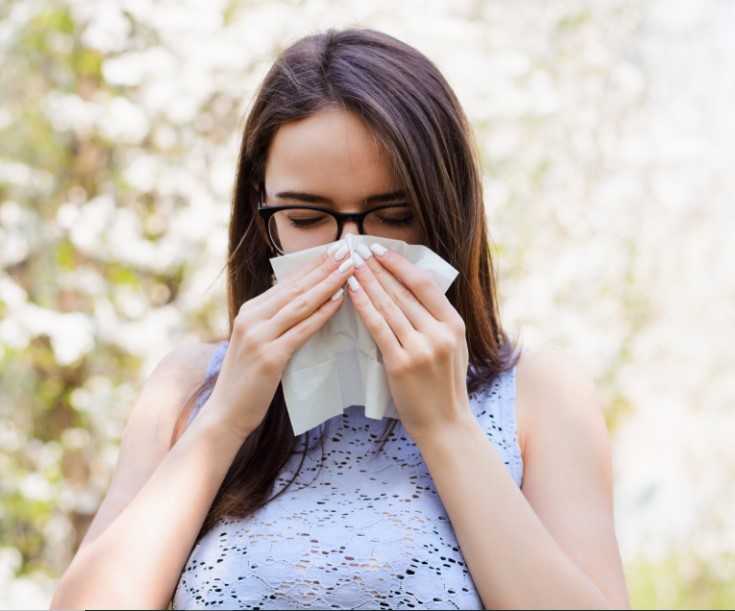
330	151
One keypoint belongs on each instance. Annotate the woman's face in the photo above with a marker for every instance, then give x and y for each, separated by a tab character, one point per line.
331	160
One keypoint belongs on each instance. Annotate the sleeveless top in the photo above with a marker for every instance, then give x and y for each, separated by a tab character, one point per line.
358	529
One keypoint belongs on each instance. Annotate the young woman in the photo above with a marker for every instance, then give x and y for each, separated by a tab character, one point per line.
493	490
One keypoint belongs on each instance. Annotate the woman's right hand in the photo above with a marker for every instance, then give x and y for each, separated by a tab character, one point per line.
267	330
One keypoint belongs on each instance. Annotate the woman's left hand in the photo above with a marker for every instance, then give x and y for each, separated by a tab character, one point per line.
421	337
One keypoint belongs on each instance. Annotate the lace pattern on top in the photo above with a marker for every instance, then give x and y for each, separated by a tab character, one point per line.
358	529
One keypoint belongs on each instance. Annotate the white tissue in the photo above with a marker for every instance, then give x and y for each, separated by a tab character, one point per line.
340	365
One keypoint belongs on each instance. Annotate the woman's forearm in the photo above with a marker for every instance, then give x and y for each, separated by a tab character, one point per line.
136	562
513	559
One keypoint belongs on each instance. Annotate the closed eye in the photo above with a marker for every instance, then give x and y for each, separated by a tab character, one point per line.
302	219
398	216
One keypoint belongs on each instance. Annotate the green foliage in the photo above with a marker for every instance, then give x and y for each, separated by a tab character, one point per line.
682	582
63	174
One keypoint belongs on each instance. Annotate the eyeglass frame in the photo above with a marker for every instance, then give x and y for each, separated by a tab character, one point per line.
266	212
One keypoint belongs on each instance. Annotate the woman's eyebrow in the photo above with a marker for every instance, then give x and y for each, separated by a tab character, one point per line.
309	198
312	198
391	196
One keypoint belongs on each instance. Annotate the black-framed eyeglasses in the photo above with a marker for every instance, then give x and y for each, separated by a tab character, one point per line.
298	227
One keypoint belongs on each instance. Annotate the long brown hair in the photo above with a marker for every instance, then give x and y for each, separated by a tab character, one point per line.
412	111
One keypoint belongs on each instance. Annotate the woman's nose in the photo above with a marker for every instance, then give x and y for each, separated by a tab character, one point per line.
349	227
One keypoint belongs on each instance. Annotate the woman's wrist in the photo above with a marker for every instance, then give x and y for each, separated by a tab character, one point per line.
445	432
211	423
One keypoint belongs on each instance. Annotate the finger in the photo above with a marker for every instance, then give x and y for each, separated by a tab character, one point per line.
415	312
375	322
384	304
297	284
421	284
303	305
279	287
297	335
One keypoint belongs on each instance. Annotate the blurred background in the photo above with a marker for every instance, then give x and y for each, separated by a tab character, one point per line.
607	136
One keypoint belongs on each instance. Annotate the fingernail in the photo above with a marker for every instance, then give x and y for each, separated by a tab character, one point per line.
334	247
340	253
346	264
354	284
378	249
358	260
338	294
364	251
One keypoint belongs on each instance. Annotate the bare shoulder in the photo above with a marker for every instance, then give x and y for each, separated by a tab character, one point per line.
171	387
150	429
187	364
181	371
554	391
550	368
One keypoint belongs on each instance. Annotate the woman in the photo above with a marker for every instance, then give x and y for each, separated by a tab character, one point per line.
494	490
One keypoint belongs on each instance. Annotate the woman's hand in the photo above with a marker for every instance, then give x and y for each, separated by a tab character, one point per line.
267	331
421	337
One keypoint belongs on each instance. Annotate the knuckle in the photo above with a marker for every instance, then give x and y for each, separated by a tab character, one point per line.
444	344
404	295
247	332
458	325
241	324
378	270
424	356
300	305
293	290
397	367
253	341
271	359
387	308
300	333
382	275
244	308
422	280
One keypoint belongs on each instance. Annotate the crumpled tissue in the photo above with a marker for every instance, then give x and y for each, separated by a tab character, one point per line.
340	365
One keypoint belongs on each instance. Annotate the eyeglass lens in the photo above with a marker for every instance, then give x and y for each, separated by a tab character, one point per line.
297	229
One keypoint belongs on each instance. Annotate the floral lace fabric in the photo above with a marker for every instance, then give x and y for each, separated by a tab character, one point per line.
359	529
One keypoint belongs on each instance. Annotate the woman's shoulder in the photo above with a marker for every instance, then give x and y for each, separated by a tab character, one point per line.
170	386
554	392
174	382
186	364
550	367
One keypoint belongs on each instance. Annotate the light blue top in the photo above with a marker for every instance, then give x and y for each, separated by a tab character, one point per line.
366	531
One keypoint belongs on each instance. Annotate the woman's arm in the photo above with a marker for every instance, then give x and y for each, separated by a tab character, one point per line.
148	433
136	549
142	534
551	544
